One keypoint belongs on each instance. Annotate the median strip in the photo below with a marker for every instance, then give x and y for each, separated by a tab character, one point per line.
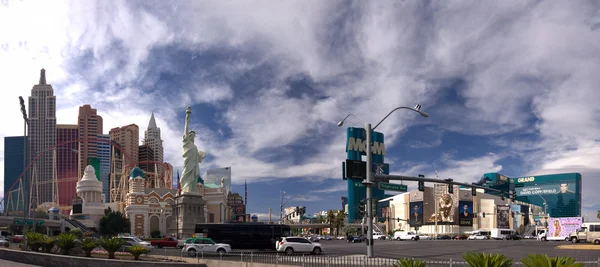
579	247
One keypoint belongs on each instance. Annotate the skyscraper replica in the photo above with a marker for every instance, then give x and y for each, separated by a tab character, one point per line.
153	140
42	136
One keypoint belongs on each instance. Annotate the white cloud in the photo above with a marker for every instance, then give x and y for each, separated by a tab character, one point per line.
525	67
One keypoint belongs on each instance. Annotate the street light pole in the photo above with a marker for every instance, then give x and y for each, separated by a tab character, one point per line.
368	183
25	122
281	193
369	179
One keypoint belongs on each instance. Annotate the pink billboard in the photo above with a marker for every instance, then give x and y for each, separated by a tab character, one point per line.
562	227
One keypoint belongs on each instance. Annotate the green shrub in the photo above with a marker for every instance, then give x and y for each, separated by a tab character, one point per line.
542	260
66	242
486	260
34	240
111	245
406	262
6	244
77	232
47	244
87	245
136	251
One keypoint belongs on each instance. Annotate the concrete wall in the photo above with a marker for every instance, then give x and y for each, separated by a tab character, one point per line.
51	260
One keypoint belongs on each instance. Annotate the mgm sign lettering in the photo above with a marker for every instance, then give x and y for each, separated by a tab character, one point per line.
360	145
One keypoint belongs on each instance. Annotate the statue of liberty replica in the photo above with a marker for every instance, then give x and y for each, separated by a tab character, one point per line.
190	177
188	207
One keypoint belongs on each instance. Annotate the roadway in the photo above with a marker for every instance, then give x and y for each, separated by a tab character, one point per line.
437	249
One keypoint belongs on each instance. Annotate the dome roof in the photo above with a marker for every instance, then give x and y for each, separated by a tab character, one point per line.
254	217
89	174
137	172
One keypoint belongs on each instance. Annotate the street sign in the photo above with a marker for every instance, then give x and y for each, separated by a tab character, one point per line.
358	184
393	187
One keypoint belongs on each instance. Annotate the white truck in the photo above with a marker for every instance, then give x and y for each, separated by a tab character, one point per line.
401	235
560	229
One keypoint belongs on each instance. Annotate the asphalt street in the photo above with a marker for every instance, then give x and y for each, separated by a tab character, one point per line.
436	249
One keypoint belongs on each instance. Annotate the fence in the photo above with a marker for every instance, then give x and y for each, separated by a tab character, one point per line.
340	261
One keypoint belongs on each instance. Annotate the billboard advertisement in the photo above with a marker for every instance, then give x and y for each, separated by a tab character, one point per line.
465	213
416	214
546	189
503	215
562	227
445	209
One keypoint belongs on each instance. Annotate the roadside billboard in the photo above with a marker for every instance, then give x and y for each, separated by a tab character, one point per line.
503	214
563	227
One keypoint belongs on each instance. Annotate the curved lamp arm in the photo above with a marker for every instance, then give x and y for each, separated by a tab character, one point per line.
416	109
351	114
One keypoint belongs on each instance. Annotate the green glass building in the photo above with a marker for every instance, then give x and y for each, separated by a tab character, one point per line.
559	194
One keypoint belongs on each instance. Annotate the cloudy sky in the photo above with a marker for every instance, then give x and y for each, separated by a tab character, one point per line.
509	85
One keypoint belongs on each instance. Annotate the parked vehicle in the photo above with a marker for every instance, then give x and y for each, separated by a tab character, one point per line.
401	235
291	245
356	239
444	237
478	237
165	242
589	232
425	237
512	237
379	236
17	238
501	234
136	241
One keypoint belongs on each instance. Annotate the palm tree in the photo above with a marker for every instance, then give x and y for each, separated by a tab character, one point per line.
598	215
340	217
330	220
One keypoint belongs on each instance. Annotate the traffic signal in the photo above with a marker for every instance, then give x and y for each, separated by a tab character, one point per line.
483	214
450	186
421	183
473	191
514	195
502	195
361	208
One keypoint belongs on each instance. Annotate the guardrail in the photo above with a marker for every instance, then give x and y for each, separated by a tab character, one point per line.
307	260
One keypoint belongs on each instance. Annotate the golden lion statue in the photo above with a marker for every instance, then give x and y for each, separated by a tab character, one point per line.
445	210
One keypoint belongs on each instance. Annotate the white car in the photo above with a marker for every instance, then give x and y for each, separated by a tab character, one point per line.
379	236
194	246
425	237
478	237
293	244
137	241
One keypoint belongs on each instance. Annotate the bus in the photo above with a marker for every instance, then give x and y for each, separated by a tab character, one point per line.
244	235
589	232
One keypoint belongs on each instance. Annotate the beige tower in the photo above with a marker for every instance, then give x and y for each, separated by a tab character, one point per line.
137	206
90	126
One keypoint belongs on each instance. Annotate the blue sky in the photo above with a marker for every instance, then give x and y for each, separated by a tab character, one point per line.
510	86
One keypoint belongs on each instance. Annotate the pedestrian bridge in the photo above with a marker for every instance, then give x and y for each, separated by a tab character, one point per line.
12	220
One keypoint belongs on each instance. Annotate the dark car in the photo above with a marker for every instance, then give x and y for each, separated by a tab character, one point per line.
461	237
444	237
356	239
513	237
